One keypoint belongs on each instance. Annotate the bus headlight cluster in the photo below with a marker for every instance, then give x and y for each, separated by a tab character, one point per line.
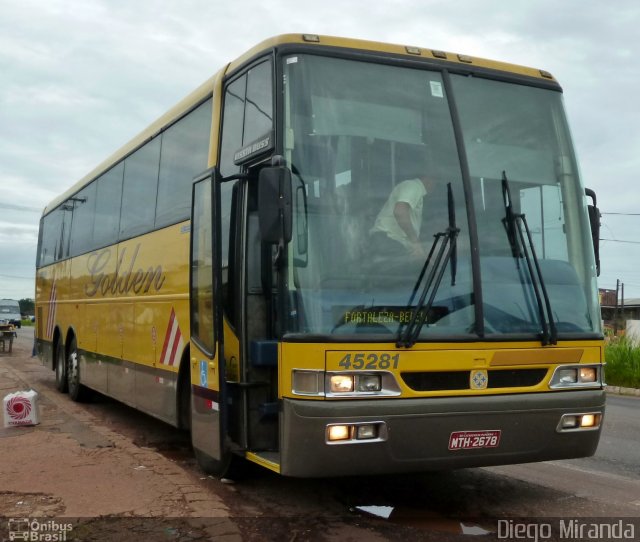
572	376
343	384
349	383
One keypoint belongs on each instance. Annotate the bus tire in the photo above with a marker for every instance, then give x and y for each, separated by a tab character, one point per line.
214	467
77	391
62	383
230	466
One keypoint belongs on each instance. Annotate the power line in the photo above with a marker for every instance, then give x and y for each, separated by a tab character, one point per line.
620	241
16	207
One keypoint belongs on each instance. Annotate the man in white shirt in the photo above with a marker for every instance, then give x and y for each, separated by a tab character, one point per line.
397	226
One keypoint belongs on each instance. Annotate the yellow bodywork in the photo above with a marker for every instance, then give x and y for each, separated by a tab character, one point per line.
434	357
118	300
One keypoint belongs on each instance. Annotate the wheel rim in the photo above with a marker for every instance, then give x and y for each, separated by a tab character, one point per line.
74	375
59	366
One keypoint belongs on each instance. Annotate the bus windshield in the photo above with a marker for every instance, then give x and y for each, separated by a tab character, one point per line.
377	177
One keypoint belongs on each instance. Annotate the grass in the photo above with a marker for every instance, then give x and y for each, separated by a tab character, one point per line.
623	363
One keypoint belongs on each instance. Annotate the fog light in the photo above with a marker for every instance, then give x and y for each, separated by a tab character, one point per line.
366	432
588	374
588	420
569	422
339	432
567	376
368	383
341	383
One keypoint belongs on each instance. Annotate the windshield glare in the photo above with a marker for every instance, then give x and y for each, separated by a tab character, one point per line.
372	151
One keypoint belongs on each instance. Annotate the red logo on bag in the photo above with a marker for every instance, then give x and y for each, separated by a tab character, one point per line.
18	408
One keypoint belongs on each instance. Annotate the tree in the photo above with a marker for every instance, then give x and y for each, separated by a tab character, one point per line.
27	306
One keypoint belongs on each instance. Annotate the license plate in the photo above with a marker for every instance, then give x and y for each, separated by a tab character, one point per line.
469	440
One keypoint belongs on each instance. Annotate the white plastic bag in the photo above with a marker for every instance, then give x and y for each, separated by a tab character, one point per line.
21	408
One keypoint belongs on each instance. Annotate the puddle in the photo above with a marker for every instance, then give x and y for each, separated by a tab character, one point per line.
422	519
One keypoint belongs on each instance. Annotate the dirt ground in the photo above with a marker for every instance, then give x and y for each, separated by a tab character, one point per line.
73	465
105	472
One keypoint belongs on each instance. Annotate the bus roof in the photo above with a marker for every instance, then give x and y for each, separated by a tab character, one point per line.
207	87
387	48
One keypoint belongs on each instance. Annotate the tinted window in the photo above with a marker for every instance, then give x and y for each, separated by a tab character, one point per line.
107	212
202	316
62	250
51	226
185	148
140	189
228	202
258	117
233	119
84	204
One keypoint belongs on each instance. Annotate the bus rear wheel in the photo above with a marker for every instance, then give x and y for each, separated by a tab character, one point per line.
77	391
62	384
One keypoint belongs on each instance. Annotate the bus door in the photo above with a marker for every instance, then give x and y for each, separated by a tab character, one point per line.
251	357
261	368
206	365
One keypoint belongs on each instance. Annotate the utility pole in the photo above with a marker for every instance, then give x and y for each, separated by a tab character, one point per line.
622	304
615	311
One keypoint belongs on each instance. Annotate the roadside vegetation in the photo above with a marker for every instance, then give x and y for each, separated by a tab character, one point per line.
623	363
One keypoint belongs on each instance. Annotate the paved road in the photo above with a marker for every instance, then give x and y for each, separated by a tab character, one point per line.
415	507
611	476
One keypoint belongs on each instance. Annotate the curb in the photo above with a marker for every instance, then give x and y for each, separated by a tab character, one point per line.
622	391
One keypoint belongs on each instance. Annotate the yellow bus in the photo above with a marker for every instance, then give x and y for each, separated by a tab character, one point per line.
339	257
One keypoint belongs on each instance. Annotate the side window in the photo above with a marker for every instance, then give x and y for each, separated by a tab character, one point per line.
258	116
233	121
51	233
202	315
62	249
107	214
140	190
228	202
83	203
184	153
248	113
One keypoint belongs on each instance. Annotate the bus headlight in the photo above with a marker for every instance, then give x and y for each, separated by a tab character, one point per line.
576	376
368	383
588	374
341	383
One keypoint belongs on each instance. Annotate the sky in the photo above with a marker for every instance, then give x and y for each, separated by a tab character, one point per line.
78	79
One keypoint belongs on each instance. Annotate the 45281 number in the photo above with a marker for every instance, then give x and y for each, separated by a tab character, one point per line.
369	361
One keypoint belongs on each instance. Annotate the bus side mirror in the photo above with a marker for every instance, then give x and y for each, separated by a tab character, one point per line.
274	204
594	222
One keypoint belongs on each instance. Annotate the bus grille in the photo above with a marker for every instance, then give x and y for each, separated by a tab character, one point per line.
459	380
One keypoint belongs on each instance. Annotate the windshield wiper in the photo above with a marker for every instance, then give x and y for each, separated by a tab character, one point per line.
445	243
517	230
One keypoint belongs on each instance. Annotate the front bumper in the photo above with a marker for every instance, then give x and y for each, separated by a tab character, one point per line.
419	432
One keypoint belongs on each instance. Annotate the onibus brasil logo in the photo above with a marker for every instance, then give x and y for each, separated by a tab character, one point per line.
38	530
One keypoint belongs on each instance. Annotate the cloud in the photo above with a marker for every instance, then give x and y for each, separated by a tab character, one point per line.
81	78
